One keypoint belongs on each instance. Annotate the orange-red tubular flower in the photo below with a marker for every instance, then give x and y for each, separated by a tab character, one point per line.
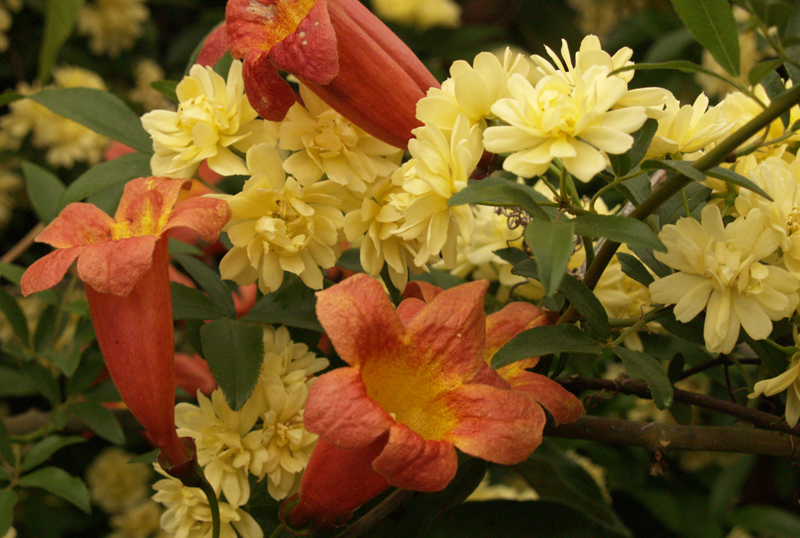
123	264
417	388
337	48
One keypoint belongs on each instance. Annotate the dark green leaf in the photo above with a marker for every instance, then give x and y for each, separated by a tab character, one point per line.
60	484
91	366
10	96
646	368
101	112
545	340
725	491
148	457
759	71
621	164
619	229
234	351
552	244
41	451
681	412
712	24
691	197
293	304
676	166
179	247
6	451
44	190
729	176
496	191
683	66
512	255
166	88
188	303
105	175
13	273
791	31
675	368
766	521
641	141
223	65
635	269
100	420
587	304
13	383
8	500
209	280
46	328
646	256
59	21
775	87
14	315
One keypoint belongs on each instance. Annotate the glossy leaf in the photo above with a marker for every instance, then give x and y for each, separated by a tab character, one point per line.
545	340
634	268
100	420
760	70
552	245
14	383
496	191
619	229
647	369
293	304
729	176
44	190
8	500
712	24
41	451
59	21
106	175
188	303
101	112
60	484
14	315
234	351
210	281
587	304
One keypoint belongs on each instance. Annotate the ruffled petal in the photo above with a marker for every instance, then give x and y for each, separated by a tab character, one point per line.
206	216
502	326
559	402
146	205
410	462
116	266
269	94
77	224
48	271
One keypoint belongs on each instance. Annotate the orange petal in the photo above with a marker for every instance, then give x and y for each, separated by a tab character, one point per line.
206	216
262	24
359	318
502	426
146	206
310	52
449	334
214	47
48	271
116	266
408	309
559	402
410	462
419	289
339	410
502	326
77	224
268	93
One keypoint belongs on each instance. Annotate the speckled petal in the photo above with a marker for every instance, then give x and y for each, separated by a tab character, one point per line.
116	266
410	462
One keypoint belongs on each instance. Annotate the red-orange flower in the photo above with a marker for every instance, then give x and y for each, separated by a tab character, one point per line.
123	263
340	51
417	388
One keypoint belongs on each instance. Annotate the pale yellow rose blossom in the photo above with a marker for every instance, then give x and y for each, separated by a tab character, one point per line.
688	129
188	515
115	483
279	225
140	521
325	142
788	381
113	26
722	270
420	13
213	117
146	72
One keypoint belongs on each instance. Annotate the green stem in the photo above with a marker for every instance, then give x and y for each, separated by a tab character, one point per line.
673	185
213	505
277	532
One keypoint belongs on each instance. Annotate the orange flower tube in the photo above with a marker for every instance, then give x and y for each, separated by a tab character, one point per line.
418	387
123	263
337	48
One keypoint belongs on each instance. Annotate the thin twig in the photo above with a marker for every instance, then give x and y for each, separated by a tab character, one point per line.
23	244
711	364
386	507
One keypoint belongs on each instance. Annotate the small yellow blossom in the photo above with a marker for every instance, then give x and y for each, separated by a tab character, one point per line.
213	117
188	515
227	449
11	185
471	89
113	26
513	489
420	13
721	270
688	129
327	142
116	484
279	225
788	381
146	72
140	521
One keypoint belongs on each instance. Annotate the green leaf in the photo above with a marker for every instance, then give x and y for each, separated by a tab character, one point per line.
712	24
692	197
148	457
188	303
41	451
587	304
496	191
684	66
9	96
8	500
729	176
166	88
90	366
635	269
641	141
209	280
179	247
13	383
545	340
60	484
234	351
6	451
766	521
646	368
14	315
759	71
726	490
106	175
44	189
59	21
676	166
675	367
552	244
100	420
101	112
791	31
619	229
223	65
293	304
13	273
775	87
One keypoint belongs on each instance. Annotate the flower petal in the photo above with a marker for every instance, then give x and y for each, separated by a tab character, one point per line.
410	462
269	94
339	409
419	289
147	205
559	402
504	325
77	224
502	426
49	270
116	266
206	216
359	318
262	24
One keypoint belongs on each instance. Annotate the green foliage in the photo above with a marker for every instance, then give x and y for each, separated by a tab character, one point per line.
210	281
58	482
44	190
496	191
644	367
711	23
104	176
293	305
552	247
41	451
100	420
59	21
8	500
545	340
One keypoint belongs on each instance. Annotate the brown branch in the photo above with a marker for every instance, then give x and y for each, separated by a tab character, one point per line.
639	388
655	436
711	364
22	245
